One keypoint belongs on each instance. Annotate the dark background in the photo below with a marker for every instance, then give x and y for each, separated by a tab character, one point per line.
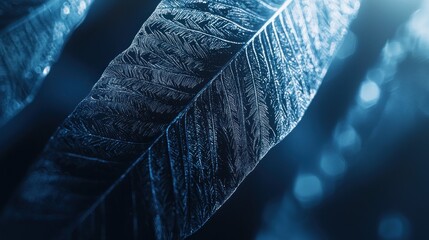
382	193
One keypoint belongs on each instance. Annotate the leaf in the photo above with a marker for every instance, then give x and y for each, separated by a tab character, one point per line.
32	35
179	119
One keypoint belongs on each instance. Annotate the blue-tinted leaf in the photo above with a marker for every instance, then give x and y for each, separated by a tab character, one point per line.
179	119
32	34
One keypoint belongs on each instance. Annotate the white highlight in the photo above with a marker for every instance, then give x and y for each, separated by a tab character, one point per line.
46	70
66	10
369	94
81	8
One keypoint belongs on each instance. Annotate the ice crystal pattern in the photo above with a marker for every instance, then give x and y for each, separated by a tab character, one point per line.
178	120
32	35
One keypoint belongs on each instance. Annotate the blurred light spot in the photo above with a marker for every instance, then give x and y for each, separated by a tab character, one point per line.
46	70
393	227
418	29
308	188
376	75
393	52
59	30
349	46
66	10
369	94
286	220
346	138
333	164
81	8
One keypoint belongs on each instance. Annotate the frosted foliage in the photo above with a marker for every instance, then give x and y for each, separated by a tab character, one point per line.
32	34
179	119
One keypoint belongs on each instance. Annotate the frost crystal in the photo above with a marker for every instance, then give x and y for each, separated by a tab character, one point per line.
32	36
179	119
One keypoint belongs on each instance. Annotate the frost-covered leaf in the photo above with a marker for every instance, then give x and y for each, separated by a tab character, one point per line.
32	35
179	119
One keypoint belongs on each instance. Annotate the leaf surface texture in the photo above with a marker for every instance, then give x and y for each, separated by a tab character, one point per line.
32	35
178	120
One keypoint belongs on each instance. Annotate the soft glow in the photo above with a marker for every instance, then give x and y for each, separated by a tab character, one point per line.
332	164
377	75
393	227
308	188
349	46
417	27
346	138
393	52
81	8
369	93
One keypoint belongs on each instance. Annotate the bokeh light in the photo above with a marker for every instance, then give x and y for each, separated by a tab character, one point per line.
333	164
349	46
347	138
308	188
369	94
393	227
